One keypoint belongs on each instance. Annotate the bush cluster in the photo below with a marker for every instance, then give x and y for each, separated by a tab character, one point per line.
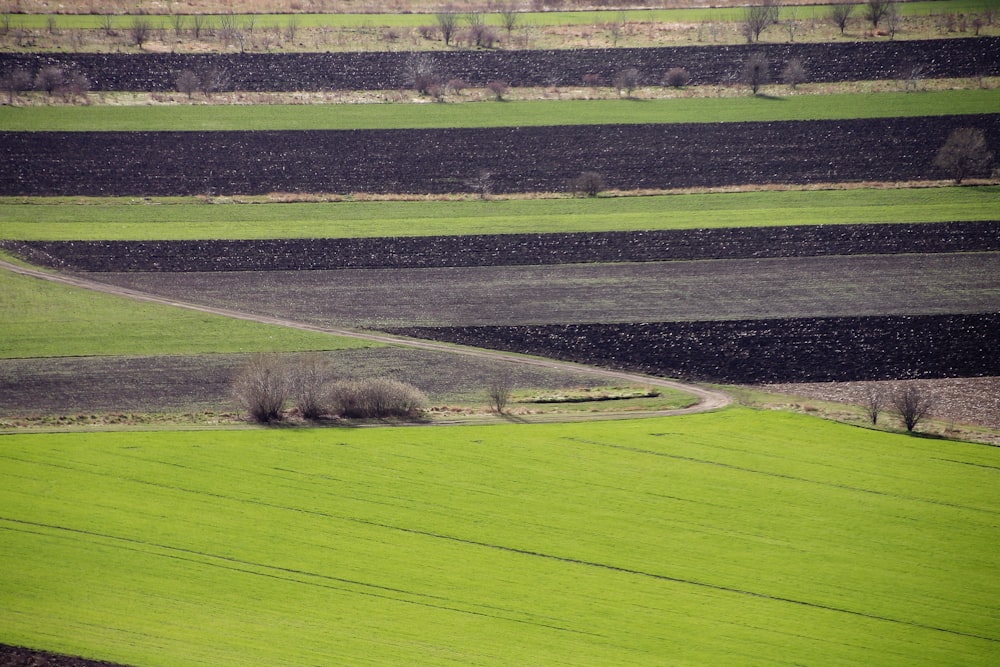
268	384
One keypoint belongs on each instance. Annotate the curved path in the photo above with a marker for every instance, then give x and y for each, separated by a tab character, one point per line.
708	399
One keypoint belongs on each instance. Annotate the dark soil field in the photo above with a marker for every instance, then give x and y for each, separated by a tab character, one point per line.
853	61
510	249
587	293
761	351
535	159
13	656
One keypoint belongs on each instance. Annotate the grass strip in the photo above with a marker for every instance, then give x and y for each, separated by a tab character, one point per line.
732	538
43	319
412	20
539	113
179	219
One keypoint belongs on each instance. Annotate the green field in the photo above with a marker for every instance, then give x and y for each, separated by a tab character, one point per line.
43	319
495	114
164	219
362	20
731	538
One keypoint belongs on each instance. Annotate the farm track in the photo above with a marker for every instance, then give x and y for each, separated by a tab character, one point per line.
265	72
442	161
707	399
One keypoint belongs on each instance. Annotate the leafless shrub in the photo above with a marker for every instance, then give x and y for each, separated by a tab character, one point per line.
309	380
498	392
498	88
49	79
187	82
261	388
676	77
74	85
482	184
428	32
912	405
375	398
840	14
964	153
627	80
592	80
894	20
457	86
215	79
588	183
482	36
15	81
291	28
794	73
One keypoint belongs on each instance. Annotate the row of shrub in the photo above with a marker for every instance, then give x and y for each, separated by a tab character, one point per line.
272	386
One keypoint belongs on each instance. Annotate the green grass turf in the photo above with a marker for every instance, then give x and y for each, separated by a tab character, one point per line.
496	114
731	538
135	219
95	22
43	319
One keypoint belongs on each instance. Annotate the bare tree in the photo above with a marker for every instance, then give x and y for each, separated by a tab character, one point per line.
187	82
509	17
482	183
421	72
589	183
261	388
840	14
214	80
139	31
177	20
498	392
756	71
755	19
893	19
964	153
49	79
74	85
15	81
197	25
457	86
794	73
498	88
875	11
448	24
912	405
627	80
676	77
874	402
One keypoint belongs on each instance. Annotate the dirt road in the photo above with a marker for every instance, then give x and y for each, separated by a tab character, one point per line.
708	399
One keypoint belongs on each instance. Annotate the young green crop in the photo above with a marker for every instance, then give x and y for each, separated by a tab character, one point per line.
484	114
42	319
134	219
731	538
410	20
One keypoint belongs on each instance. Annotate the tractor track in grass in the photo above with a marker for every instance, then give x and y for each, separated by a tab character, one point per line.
708	399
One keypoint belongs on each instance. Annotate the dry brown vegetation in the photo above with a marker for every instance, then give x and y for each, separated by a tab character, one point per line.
273	35
964	408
